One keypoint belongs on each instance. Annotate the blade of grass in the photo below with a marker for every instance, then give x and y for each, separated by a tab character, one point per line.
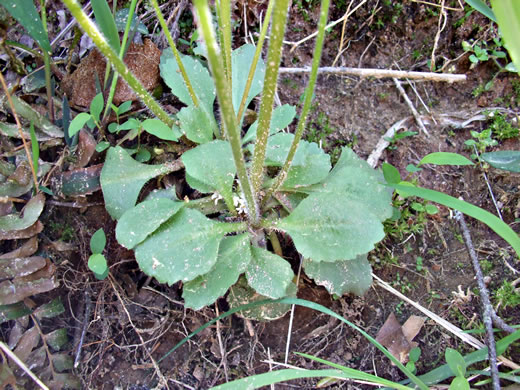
483	8
105	21
495	223
310	305
508	16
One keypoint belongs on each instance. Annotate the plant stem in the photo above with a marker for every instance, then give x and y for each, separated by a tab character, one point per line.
270	81
226	105
309	92
224	21
119	66
256	57
169	37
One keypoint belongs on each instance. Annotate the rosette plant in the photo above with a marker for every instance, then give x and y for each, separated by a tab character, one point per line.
259	183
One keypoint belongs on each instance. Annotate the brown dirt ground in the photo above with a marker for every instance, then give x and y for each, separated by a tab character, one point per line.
359	112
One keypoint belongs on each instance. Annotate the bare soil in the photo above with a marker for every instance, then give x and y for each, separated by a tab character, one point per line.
130	309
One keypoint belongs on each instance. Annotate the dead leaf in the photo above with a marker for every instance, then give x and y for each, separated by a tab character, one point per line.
21	266
398	339
78	182
85	150
26	250
6	377
25	233
27	343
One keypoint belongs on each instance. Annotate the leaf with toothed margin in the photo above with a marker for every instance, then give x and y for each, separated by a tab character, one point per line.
325	227
269	274
341	277
234	256
139	222
122	178
184	247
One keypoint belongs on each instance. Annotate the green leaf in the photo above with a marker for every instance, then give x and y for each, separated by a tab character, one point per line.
445	158
341	277
234	255
78	122
508	160
199	76
455	362
97	263
13	311
325	227
278	146
98	241
431	209
197	123
35	148
241	59
181	249
28	217
57	339
241	293
102	146
508	16
459	383
482	7
496	224
160	130
282	117
96	106
50	310
106	23
41	122
124	107
26	14
353	179
121	18
391	173
268	274
142	220
122	179
212	165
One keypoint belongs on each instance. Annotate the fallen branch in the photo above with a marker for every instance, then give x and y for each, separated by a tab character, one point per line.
381	73
411	106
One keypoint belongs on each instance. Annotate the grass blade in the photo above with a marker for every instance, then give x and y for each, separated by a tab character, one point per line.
105	21
508	16
482	7
496	224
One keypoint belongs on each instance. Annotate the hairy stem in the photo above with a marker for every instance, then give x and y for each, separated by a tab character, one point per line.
270	82
309	92
226	106
119	66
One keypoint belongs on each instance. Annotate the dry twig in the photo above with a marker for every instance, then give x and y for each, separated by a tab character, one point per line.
411	107
22	365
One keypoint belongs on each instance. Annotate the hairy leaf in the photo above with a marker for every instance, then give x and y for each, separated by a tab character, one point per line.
268	274
341	277
197	123
325	227
212	165
282	117
122	179
181	249
233	258
142	220
160	130
106	23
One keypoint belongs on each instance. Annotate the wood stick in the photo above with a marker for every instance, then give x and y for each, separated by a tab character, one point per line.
381	73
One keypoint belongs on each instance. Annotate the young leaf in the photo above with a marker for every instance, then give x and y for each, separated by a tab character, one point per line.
77	123
391	173
96	106
197	123
160	130
341	277
455	362
97	263
445	158
98	242
325	227
122	179
508	160
268	274
183	248
459	383
139	222
26	14
234	255
211	164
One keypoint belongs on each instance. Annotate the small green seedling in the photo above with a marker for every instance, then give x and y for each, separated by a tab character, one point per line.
398	136
413	358
92	118
481	141
97	262
457	365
